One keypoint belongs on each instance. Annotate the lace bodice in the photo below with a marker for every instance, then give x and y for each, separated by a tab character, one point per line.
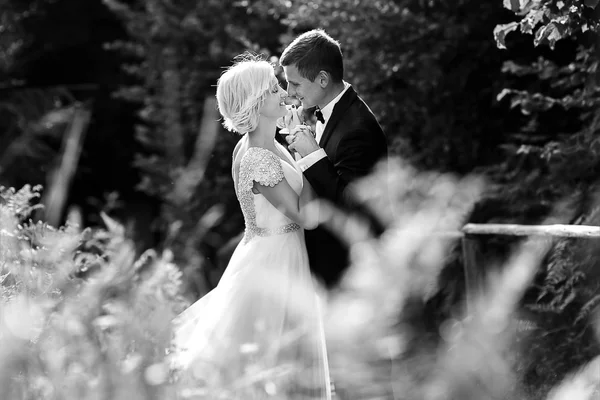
261	217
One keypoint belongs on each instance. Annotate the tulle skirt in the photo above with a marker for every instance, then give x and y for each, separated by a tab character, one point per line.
259	333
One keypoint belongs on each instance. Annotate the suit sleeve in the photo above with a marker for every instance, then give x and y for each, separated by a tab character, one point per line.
357	154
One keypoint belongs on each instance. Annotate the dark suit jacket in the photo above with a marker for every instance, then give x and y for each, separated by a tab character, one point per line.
354	143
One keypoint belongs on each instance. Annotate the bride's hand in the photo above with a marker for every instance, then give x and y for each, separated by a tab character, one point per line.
293	118
302	140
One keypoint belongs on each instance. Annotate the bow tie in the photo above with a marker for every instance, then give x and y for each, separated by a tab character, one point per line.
319	115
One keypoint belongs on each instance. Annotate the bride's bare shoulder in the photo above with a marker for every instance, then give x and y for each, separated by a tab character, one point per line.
238	147
238	152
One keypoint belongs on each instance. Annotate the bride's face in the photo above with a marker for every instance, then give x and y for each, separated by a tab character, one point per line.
274	104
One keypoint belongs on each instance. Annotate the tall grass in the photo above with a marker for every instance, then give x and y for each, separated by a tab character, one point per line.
83	318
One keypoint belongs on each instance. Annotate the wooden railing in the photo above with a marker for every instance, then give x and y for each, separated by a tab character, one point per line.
475	274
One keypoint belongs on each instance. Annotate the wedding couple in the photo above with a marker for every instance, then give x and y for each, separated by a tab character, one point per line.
259	333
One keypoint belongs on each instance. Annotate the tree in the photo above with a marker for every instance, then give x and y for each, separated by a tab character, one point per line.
34	148
176	55
427	69
555	149
552	158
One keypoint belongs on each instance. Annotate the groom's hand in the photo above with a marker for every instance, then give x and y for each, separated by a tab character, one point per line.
302	140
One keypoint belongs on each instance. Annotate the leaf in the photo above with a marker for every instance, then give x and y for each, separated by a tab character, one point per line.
520	6
513	5
587	308
513	68
503	93
531	20
550	33
112	225
591	3
500	32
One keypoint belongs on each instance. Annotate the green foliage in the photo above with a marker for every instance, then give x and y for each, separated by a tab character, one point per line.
549	20
33	124
413	61
553	157
555	150
82	317
15	39
561	306
447	96
176	55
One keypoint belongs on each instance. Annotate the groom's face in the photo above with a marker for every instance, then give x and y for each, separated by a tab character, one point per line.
308	92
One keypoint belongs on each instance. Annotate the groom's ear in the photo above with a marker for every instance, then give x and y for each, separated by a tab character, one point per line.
323	79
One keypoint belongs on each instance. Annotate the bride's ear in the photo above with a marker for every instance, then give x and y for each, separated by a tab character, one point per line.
323	79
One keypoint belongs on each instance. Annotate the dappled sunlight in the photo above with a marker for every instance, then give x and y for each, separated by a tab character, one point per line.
90	317
581	385
474	267
367	340
68	337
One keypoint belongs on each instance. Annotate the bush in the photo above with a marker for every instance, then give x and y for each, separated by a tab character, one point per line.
82	318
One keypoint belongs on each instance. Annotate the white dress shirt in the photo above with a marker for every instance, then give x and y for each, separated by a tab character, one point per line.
310	159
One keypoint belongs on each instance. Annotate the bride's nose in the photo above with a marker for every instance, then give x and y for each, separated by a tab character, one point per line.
282	93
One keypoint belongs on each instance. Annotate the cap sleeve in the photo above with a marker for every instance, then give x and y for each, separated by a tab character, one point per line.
262	166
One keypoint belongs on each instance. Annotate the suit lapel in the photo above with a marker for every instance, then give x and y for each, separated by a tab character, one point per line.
336	116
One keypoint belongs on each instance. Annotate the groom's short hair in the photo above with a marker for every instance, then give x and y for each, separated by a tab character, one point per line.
312	52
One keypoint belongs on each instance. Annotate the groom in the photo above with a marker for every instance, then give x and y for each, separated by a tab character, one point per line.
347	141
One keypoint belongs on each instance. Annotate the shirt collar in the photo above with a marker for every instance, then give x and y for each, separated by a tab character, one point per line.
328	109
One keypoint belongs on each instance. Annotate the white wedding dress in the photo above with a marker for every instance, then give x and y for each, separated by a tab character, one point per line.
259	333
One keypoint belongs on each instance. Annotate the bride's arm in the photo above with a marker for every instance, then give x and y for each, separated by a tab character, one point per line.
297	208
308	193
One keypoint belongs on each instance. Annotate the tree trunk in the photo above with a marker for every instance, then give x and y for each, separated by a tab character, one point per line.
60	178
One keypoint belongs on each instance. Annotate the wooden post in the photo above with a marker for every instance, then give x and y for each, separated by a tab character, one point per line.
472	270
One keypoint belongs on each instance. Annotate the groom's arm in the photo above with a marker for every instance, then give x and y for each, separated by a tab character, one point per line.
357	153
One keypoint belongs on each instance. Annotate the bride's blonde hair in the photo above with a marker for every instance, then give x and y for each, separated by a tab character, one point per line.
241	92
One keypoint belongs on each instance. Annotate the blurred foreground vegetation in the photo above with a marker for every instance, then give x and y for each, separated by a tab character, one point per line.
84	318
110	106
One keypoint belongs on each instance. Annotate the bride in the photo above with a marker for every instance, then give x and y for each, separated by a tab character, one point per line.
259	333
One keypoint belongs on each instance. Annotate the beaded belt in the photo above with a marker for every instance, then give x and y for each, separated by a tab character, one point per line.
263	232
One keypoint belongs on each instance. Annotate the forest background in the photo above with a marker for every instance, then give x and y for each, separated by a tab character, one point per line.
109	105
